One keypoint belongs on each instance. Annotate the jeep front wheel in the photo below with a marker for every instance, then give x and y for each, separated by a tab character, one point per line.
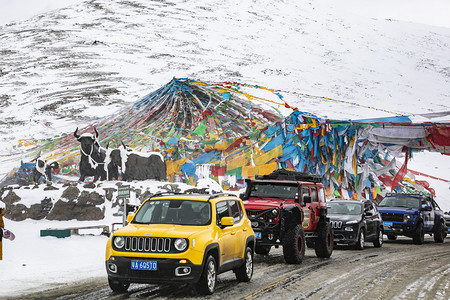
439	234
418	236
208	280
245	272
294	245
325	241
361	240
263	250
118	286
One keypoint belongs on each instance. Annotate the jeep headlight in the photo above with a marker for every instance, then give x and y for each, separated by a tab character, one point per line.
180	244
119	241
274	212
407	218
352	222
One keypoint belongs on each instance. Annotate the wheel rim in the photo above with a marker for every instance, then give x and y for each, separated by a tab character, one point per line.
380	237
361	239
211	276
300	244
329	240
249	265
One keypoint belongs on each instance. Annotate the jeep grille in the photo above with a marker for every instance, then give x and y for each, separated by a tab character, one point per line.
256	214
392	217
148	245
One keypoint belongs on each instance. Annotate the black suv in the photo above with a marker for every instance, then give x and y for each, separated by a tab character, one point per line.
355	222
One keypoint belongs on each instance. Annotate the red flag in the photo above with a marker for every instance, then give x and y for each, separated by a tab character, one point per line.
402	171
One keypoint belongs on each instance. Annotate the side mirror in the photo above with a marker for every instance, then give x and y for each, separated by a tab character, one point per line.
130	218
227	221
306	199
427	208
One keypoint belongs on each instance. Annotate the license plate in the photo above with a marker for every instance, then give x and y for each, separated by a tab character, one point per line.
258	235
388	224
144	265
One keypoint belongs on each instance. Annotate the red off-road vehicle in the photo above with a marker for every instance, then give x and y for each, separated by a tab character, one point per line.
288	209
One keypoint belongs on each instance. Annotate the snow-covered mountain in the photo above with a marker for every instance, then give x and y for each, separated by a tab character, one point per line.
63	68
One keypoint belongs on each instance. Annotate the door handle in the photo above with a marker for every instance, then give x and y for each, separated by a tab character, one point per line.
245	229
233	232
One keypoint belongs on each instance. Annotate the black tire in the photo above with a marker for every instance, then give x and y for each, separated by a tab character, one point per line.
391	237
325	241
378	242
294	245
361	240
263	250
439	233
245	272
118	286
207	283
419	234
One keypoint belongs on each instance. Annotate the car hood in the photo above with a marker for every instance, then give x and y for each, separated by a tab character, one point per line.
344	218
256	203
160	230
397	210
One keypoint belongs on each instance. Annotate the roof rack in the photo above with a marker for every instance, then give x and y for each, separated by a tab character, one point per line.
282	174
221	194
409	194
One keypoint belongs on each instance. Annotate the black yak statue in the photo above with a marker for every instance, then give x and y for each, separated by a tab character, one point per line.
136	165
92	162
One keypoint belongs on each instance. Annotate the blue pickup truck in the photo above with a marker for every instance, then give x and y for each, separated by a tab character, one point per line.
412	215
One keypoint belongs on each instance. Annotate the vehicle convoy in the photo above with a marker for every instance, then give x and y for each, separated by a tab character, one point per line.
182	238
355	222
412	215
287	209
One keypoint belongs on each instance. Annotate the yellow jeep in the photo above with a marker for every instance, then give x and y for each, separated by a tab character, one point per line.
182	238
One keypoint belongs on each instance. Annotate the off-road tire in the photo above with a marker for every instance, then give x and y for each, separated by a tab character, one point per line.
118	286
361	240
419	234
378	241
245	272
391	237
208	281
439	234
294	245
325	241
263	250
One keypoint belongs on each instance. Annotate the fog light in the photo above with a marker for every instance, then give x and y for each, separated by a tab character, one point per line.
112	268
182	271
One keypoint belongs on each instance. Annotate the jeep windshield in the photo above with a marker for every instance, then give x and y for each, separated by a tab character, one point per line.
274	190
339	208
177	212
400	201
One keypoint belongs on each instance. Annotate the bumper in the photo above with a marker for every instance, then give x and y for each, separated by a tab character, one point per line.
345	237
267	237
168	270
399	229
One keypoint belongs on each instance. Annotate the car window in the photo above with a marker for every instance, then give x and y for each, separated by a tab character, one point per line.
236	211
174	211
305	192
339	208
221	211
321	195
314	197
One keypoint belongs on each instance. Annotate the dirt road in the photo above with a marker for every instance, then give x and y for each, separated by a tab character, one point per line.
398	270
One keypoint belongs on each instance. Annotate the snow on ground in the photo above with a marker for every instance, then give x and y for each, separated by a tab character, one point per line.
387	54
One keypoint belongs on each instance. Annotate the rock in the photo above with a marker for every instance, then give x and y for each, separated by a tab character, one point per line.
40	211
11	198
109	192
71	193
18	212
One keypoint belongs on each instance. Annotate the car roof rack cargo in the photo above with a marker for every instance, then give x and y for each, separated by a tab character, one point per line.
221	194
282	174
